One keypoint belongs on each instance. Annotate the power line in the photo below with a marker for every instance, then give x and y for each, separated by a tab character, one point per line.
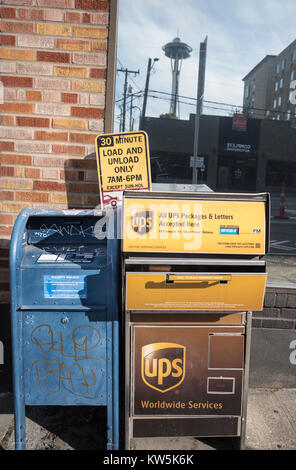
223	104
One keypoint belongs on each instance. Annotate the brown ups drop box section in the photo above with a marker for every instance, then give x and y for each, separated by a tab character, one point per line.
192	274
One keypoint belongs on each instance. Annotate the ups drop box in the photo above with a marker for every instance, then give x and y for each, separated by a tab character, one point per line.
192	274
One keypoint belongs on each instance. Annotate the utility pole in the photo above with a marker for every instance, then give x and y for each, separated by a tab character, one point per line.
130	92
199	104
126	72
149	68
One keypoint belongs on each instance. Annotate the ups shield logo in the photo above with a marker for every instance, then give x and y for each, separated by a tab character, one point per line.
163	365
142	222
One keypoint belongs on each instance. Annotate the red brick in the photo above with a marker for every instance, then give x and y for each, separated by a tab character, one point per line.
83	138
82	163
48	186
4	286
6	196
4	230
30	14
54	136
32	172
8	146
32	121
55	3
6	40
6	120
11	159
72	17
17	27
31	196
86	18
7	12
12	81
32	95
87	112
68	175
97	73
91	5
68	149
69	97
5	219
6	171
73	44
26	108
45	56
82	188
91	200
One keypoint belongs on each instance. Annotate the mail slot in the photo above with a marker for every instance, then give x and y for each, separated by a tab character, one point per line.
202	292
64	310
193	273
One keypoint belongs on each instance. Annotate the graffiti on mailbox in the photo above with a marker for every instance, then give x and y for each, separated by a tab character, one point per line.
74	369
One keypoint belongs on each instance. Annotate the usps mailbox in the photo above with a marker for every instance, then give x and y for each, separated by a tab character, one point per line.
64	286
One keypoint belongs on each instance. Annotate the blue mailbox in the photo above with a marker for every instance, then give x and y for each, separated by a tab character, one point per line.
64	310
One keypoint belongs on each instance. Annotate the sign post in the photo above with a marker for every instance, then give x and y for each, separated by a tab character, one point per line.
123	163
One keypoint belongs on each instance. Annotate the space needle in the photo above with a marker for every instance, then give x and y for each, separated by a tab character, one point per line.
176	51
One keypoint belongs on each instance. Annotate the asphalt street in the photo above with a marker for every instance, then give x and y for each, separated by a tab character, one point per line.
283	230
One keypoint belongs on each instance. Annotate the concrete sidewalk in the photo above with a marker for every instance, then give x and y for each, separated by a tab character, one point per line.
271	425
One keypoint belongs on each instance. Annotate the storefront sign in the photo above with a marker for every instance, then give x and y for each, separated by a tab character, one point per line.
239	122
194	226
123	163
241	148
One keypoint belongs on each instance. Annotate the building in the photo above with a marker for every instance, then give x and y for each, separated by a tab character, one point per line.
268	88
57	75
259	157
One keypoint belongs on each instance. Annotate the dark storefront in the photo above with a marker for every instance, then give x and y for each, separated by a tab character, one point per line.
238	155
256	155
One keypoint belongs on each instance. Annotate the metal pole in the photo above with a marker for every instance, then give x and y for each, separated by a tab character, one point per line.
124	100
146	93
131	114
199	103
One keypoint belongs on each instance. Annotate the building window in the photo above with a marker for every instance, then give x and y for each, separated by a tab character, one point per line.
278	117
276	86
288	115
247	90
283	64
274	104
292	75
281	82
277	68
280	101
294	55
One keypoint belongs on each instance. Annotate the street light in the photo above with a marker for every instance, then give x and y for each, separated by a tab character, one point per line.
149	68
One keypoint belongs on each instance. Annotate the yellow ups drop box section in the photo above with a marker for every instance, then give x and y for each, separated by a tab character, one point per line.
192	274
202	292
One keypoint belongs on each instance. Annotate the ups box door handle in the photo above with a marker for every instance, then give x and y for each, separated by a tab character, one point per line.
196	278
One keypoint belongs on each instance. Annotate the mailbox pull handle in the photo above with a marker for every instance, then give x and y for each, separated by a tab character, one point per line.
222	279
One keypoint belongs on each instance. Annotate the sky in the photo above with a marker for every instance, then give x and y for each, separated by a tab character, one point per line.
240	33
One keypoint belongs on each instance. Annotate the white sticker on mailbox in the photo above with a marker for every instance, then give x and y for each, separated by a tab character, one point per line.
64	287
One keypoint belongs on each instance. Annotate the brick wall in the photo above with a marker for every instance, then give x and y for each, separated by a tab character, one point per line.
279	310
53	70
